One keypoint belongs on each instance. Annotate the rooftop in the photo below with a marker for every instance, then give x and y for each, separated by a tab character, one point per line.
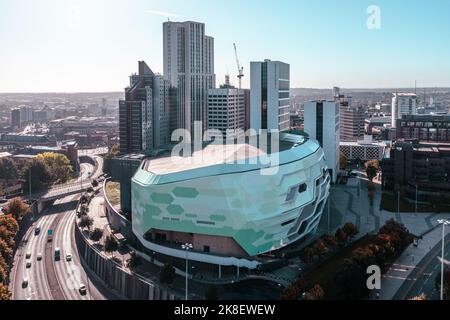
216	154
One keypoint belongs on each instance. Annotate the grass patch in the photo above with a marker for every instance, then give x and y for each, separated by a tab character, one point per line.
113	193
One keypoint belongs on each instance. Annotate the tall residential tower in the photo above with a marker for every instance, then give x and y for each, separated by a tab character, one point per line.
269	95
144	114
189	67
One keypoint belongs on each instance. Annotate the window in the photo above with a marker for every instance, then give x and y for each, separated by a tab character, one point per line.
291	194
302	188
287	222
206	249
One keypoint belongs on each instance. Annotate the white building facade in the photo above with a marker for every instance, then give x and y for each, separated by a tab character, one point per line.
188	56
403	104
269	95
226	111
322	123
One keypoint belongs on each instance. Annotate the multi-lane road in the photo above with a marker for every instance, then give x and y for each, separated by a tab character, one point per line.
47	278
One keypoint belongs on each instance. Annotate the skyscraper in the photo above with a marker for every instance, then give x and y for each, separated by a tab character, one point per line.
352	118
269	95
144	114
226	110
403	104
15	118
322	123
189	67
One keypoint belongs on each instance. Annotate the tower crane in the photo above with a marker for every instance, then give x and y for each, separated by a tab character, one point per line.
240	68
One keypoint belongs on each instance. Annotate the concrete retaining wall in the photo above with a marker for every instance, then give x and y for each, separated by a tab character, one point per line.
126	284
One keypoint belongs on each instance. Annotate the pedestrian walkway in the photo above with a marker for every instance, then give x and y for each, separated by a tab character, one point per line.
401	270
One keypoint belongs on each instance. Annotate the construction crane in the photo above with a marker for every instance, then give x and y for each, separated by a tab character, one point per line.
240	68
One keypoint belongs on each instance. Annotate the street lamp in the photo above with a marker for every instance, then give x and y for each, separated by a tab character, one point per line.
186	247
444	223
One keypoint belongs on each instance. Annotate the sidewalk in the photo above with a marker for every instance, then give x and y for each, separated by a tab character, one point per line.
400	271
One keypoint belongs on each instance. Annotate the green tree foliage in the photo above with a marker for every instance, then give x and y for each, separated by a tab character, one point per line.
41	175
96	235
8	169
114	152
134	261
86	222
5	294
18	208
212	293
350	279
167	274
111	244
59	165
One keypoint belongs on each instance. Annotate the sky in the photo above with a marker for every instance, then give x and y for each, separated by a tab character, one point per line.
94	45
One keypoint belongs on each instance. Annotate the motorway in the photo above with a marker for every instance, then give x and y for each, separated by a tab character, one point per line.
49	279
422	278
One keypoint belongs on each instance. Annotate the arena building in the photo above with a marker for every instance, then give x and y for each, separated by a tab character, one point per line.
230	206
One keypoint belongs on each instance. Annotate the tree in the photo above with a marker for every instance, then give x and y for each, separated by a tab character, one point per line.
364	257
307	254
330	240
316	293
111	244
5	250
96	235
320	247
8	169
167	274
18	208
86	222
350	229
114	152
292	292
5	294
3	269
134	261
372	168
212	293
9	223
41	175
59	164
341	236
350	279
342	161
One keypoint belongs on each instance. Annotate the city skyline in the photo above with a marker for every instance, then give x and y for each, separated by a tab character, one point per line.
66	46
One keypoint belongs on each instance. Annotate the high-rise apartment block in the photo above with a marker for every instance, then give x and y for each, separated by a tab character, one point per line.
144	114
226	110
322	123
352	118
403	104
189	67
269	95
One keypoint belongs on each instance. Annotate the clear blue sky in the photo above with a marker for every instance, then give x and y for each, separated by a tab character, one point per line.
94	45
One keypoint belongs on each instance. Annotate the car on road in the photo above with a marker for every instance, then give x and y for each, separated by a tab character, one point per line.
28	255
57	254
82	289
28	264
37	230
68	257
24	282
39	257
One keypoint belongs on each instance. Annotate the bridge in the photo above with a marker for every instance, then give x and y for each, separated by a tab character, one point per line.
60	191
